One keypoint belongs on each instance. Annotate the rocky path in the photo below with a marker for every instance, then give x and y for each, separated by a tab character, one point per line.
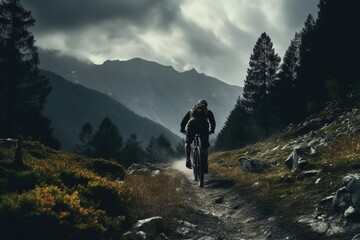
221	212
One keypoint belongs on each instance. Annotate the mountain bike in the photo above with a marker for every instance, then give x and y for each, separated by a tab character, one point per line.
198	161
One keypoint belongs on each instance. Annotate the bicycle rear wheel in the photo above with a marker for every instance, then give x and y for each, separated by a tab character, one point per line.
195	164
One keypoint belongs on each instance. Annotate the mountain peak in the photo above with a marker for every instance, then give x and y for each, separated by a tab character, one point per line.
192	71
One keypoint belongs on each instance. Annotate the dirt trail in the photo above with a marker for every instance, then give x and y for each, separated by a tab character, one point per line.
221	212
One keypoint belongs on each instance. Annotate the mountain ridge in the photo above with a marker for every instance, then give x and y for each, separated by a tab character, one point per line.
150	89
81	105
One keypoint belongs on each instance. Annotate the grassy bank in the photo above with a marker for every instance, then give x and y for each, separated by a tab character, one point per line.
59	195
292	194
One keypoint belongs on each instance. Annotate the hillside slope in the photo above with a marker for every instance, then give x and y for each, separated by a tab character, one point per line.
320	193
70	106
157	92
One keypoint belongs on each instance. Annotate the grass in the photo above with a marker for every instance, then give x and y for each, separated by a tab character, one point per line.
60	195
156	195
292	194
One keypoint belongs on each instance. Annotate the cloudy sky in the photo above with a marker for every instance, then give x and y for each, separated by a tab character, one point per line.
214	37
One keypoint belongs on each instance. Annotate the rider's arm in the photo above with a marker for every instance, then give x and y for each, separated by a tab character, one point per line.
212	121
185	121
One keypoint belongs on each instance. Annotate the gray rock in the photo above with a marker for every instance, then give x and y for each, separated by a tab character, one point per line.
299	157
356	237
134	236
253	165
342	199
311	173
352	184
219	200
348	195
320	227
327	200
313	143
162	236
153	227
349	212
143	169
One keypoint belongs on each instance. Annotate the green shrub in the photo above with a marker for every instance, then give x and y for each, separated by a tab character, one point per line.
18	181
112	197
107	168
49	213
72	178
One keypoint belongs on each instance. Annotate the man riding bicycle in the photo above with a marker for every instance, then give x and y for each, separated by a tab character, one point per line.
197	121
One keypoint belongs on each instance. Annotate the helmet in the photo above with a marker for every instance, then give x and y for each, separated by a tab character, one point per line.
204	102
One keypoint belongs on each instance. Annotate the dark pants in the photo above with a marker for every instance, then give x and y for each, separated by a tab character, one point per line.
198	127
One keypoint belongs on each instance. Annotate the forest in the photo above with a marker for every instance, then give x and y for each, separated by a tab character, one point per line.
320	65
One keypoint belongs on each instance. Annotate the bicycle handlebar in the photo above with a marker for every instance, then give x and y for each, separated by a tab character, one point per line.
185	132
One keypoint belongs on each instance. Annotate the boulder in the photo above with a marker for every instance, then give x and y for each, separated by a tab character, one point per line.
347	198
152	227
298	158
143	169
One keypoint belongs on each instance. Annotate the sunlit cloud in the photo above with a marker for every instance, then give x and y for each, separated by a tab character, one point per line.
214	37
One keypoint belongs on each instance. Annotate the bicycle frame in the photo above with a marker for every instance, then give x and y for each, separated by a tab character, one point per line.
198	161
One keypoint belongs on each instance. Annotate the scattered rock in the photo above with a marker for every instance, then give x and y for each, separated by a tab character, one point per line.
134	236
153	227
349	212
207	238
311	173
162	236
219	200
327	200
253	165
356	237
144	169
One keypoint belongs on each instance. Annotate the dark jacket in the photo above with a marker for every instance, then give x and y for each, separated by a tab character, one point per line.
208	117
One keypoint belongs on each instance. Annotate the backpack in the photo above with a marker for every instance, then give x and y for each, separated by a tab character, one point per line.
199	111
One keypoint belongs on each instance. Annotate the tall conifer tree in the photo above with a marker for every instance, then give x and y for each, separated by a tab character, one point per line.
107	141
261	75
283	95
307	85
132	151
23	90
85	137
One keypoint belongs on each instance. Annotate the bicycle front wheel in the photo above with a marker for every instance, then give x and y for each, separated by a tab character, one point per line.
201	170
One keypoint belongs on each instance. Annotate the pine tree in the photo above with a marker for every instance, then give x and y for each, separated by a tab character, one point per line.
261	75
132	151
23	90
234	134
283	93
159	149
180	149
107	141
308	87
85	137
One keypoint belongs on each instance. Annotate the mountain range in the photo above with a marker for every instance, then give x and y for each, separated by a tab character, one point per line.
70	106
151	90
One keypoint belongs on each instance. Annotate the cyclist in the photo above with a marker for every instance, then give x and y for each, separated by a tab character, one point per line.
197	121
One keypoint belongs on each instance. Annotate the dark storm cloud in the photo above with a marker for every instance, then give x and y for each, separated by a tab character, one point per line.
215	37
72	14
